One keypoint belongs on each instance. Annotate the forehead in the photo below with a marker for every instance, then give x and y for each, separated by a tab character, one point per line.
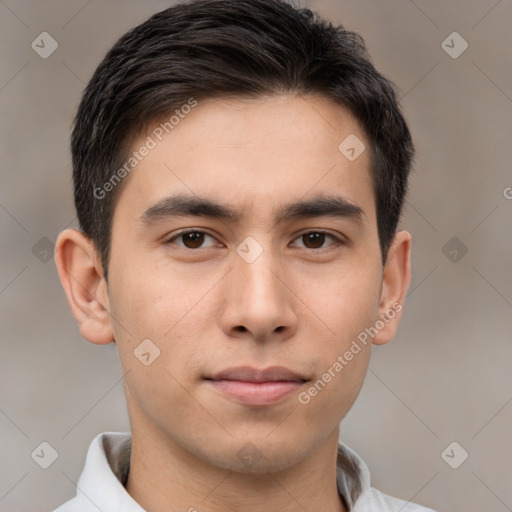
251	153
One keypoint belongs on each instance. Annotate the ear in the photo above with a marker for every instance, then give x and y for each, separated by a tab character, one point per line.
395	283
81	275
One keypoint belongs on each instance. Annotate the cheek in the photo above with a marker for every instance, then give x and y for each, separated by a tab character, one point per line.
343	302
327	399
346	307
168	312
147	300
155	339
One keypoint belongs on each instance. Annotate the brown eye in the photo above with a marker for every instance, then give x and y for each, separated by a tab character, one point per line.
313	240
316	240
193	239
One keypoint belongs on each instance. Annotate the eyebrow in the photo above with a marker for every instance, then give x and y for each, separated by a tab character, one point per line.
184	205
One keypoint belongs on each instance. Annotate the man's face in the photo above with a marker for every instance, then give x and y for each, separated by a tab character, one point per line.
253	291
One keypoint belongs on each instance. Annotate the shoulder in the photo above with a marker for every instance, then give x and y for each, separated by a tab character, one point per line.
354	484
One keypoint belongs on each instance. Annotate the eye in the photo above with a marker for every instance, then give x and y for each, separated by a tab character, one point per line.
195	238
192	239
316	239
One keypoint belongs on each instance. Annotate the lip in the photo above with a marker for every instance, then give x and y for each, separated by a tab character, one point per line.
257	387
249	374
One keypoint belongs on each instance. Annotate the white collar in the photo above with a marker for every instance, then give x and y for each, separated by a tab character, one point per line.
101	484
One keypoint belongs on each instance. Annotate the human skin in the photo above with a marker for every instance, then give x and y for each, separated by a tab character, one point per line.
300	304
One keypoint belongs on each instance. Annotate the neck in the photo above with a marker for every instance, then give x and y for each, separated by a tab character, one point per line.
165	477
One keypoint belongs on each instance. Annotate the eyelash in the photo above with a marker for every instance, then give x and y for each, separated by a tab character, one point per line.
337	241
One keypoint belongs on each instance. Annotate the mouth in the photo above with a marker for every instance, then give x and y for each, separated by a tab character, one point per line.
251	386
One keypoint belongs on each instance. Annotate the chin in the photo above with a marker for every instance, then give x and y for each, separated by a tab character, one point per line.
256	456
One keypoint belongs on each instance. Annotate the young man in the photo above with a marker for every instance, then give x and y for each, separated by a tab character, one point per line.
239	168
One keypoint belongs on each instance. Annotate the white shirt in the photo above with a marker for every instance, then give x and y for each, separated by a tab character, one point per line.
101	484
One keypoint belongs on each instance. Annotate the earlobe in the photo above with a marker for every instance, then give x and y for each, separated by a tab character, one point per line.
81	276
396	280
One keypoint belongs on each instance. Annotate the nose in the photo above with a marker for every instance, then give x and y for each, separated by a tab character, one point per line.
258	299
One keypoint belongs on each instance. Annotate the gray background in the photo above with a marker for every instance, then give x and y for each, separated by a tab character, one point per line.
445	377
